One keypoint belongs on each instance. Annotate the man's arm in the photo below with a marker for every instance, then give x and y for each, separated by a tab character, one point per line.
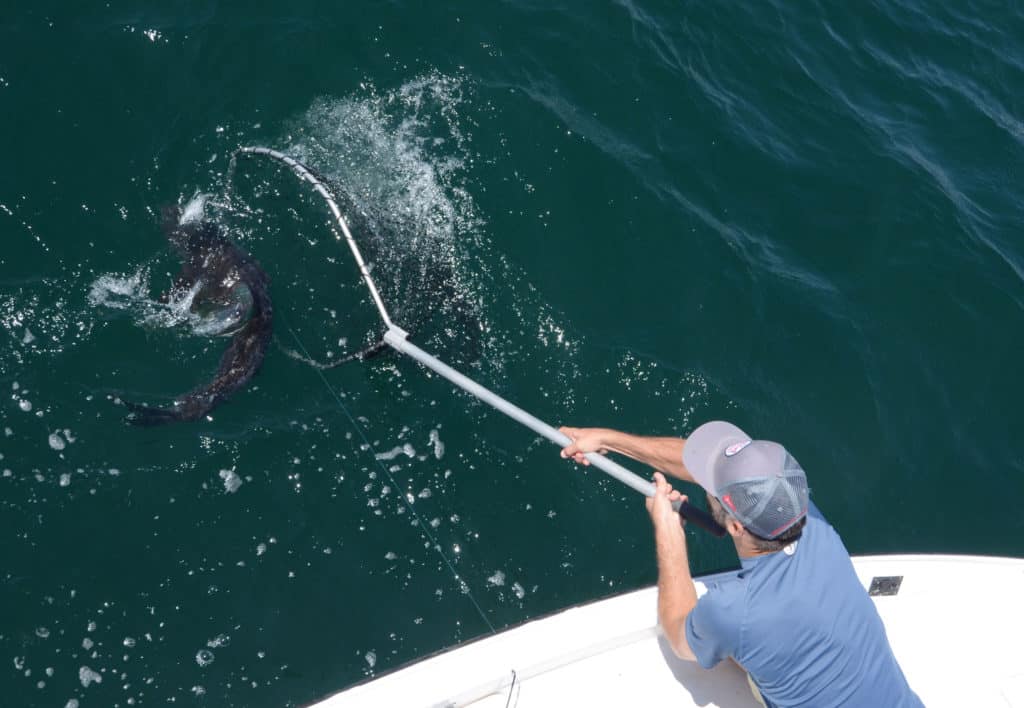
677	595
664	454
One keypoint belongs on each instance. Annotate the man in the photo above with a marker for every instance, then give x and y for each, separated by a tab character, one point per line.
795	616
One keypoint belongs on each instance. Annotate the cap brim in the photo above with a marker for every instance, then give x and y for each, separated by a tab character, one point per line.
704	445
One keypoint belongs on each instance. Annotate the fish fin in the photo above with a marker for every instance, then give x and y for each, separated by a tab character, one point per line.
147	416
375	349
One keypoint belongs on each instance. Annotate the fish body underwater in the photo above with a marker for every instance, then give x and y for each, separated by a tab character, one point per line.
216	275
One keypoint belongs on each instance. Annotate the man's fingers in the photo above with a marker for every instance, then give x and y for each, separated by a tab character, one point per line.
660	485
572	452
572	449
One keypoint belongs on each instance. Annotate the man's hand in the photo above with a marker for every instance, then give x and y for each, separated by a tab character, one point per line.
584	440
665	454
677	595
660	505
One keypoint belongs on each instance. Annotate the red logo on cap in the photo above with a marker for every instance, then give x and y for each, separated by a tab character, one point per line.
736	447
727	498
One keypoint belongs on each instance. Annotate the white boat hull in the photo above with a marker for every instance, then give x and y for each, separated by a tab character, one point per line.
955	625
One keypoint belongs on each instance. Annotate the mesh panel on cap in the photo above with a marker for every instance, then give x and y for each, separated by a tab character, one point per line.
769	505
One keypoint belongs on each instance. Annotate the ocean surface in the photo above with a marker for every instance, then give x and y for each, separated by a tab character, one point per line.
800	217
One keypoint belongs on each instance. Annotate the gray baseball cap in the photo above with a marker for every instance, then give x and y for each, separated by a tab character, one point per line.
757	481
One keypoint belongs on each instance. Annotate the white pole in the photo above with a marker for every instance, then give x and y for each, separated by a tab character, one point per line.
397	338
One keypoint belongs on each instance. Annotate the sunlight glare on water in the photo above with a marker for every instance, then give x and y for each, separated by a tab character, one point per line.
638	215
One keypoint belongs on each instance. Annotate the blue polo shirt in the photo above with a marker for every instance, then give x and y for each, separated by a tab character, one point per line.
803	627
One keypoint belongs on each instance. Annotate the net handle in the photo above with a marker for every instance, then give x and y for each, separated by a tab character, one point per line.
398	338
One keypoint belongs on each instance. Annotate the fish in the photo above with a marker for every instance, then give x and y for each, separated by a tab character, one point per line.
222	279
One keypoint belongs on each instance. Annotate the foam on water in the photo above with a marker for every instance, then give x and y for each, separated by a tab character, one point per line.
130	293
435	440
383	147
400	156
120	291
194	209
87	676
231	481
406	449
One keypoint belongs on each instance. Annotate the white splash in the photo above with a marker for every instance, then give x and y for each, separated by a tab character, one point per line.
119	291
435	440
57	442
88	676
221	640
195	209
129	292
407	450
231	480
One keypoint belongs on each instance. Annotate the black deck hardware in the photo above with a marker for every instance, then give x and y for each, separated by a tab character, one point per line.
885	585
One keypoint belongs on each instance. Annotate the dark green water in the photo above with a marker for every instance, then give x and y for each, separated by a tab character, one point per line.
804	220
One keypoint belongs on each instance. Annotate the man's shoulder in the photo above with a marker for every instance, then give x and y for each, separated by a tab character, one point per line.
725	593
821	539
814	513
713	625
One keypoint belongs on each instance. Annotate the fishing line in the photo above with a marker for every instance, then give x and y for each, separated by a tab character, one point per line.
463	585
307	175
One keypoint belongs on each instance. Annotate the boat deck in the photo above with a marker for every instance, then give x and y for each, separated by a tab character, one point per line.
955	625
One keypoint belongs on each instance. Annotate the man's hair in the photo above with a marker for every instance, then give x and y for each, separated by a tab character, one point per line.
761	543
782	540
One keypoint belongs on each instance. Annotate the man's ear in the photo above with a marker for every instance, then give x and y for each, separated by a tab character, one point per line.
734	527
